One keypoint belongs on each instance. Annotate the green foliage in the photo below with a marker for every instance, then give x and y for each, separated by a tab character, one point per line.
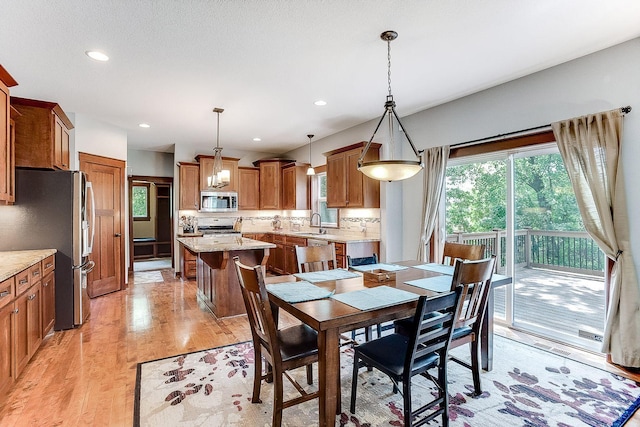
140	199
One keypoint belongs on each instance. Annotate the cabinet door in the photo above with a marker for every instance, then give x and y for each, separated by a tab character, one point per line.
248	188
34	318
6	147
290	264
65	149
6	347
270	184
189	187
354	180
48	302
21	333
336	181
289	188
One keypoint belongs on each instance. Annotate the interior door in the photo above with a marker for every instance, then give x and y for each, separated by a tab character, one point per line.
107	177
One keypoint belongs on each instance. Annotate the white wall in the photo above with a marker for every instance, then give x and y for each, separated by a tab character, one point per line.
149	163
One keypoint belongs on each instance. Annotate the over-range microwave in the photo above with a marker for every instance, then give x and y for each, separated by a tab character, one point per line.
218	201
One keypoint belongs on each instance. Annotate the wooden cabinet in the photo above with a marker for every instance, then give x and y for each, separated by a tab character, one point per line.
354	250
290	259
42	134
48	302
347	187
276	255
7	136
248	188
189	264
271	182
206	169
295	186
7	357
189	186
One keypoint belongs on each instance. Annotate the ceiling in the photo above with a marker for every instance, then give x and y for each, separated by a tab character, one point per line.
266	61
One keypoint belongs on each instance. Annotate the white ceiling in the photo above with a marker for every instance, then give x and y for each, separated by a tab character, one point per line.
266	61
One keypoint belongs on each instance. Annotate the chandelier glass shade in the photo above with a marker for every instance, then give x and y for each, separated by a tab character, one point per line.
391	169
219	177
310	171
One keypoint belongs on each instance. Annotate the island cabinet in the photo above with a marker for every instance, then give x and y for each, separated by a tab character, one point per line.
188	263
248	188
189	186
206	170
271	182
42	134
347	187
354	250
7	137
295	186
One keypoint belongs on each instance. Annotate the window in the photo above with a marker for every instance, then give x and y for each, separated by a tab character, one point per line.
140	198
319	197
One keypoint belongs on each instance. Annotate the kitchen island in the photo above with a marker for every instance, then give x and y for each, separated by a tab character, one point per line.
218	285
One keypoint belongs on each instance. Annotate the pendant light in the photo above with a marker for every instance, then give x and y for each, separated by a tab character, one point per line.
310	170
390	170
219	177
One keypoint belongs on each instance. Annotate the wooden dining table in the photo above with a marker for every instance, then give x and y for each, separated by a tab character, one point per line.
330	318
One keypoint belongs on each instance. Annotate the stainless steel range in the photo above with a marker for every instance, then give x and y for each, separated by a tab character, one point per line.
217	226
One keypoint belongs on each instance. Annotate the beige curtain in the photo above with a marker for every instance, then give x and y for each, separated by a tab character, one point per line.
590	148
435	169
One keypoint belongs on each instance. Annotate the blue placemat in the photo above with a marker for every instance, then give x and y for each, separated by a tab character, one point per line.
378	297
323	276
436	284
379	266
298	291
437	268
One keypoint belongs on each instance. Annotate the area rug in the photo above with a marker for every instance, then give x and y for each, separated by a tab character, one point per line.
528	387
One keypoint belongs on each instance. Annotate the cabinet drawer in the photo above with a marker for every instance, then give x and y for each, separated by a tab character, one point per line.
7	291
279	238
300	241
340	248
35	272
48	265
22	281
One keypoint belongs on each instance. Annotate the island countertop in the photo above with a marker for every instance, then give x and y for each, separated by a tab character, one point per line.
13	262
222	244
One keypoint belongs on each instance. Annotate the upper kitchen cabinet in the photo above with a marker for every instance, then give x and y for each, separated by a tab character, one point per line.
248	188
7	134
206	169
347	187
189	186
271	182
42	134
295	186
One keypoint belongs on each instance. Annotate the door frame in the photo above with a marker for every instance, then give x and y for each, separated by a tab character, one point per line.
155	180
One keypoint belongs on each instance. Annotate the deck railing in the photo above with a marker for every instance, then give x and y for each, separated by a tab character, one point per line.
570	251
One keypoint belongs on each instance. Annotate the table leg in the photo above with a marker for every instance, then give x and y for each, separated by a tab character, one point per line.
328	373
486	336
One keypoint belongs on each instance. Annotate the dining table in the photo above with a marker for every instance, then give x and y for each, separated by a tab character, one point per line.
332	315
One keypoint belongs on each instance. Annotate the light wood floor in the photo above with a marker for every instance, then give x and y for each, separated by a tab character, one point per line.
86	376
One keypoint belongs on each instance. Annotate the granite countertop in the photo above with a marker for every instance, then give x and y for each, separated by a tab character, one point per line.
190	234
328	237
13	262
222	244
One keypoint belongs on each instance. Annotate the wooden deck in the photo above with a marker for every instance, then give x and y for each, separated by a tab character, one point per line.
563	302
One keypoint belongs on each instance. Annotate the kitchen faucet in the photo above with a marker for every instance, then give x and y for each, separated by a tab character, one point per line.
320	230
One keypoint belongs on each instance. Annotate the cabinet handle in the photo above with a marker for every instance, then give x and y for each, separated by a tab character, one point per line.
45	284
23	281
31	297
49	264
117	235
4	294
36	273
16	311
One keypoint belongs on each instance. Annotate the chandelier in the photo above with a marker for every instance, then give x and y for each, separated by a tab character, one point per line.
390	170
219	177
310	171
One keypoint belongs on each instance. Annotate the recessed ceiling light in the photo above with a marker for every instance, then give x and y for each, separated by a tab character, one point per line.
257	139
144	125
97	55
320	102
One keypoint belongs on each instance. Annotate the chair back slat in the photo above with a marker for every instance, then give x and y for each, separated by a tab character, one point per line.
475	279
316	258
453	251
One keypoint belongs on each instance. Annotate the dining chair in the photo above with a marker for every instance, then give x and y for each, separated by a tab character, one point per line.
316	258
282	349
453	251
474	277
424	348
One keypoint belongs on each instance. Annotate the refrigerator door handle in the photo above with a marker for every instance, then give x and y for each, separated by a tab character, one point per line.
88	267
89	187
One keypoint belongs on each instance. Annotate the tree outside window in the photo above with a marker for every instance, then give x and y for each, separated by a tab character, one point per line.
329	215
140	201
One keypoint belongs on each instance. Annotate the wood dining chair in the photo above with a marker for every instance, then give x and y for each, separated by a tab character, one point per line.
474	277
425	347
282	349
453	251
316	258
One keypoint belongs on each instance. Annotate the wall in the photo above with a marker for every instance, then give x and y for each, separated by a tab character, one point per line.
149	163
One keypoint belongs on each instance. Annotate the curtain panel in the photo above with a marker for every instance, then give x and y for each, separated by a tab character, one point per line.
435	170
590	147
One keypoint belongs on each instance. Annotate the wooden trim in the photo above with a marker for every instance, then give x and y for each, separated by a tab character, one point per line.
361	144
208	156
503	144
6	78
148	187
154	179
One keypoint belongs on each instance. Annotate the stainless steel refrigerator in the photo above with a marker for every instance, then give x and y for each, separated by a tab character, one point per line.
55	209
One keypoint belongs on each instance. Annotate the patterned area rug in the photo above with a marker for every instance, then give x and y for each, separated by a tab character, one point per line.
147	277
527	387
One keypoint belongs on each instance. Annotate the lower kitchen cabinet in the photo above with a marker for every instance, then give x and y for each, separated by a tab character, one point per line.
188	263
6	348
290	259
48	302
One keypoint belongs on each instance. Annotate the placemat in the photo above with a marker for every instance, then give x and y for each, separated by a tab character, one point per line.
379	266
438	268
378	297
323	276
298	291
436	284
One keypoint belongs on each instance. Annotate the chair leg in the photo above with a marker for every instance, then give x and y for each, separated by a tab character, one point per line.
277	399
475	367
406	389
310	374
379	327
269	375
442	382
354	383
257	377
